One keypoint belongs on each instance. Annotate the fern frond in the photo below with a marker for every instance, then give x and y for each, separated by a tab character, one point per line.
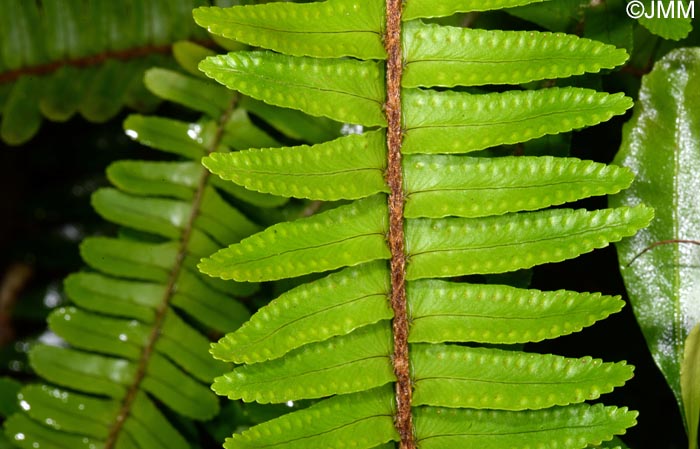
362	420
345	236
350	167
459	312
441	186
458	246
346	364
571	427
137	328
62	57
433	216
335	305
348	28
463	377
455	122
448	56
341	89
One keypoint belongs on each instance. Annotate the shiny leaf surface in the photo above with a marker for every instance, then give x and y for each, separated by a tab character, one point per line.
662	146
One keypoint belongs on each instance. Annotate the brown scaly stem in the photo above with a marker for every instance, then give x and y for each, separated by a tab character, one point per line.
170	290
92	60
403	421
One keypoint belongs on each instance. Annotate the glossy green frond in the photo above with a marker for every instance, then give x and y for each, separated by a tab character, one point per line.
327	29
449	56
458	246
335	305
341	89
348	235
361	420
439	186
462	216
456	122
65	57
459	376
574	426
458	312
415	9
346	364
350	167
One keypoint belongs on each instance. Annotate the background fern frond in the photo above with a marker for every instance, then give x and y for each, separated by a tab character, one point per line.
138	327
59	58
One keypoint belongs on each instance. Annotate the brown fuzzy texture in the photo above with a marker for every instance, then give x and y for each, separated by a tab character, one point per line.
170	291
403	421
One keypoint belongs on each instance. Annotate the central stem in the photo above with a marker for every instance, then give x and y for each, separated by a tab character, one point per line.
394	176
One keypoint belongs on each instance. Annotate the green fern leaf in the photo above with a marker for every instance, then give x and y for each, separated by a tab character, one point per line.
441	186
346	364
573	426
77	370
76	412
351	167
151	262
452	122
312	341
190	92
324	29
168	217
335	305
455	246
131	259
459	376
352	91
416	9
191	140
121	298
361	420
137	327
165	134
307	246
448	56
456	312
26	433
74	420
168	179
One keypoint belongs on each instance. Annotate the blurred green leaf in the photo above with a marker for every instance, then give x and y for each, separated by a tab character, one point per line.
8	396
670	20
661	144
608	22
555	16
